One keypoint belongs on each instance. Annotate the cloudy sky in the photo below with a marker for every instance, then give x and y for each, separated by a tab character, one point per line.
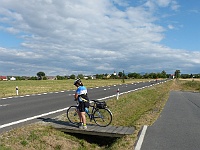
64	37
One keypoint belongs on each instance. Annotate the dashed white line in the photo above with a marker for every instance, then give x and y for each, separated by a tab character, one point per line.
4	105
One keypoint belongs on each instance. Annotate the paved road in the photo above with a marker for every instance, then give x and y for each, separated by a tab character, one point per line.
15	111
178	127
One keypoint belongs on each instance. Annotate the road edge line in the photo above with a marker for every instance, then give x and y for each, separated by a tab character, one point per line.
141	138
31	118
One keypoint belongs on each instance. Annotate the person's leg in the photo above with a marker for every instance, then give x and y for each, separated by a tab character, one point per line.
86	104
80	117
83	118
80	109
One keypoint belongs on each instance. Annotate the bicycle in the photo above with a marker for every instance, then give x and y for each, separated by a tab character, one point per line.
100	113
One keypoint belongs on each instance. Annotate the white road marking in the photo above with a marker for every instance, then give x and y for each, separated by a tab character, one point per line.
141	138
139	143
4	105
31	118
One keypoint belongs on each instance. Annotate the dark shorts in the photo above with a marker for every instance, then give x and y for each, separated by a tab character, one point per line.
82	106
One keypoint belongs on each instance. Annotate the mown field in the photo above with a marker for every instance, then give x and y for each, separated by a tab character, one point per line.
8	88
134	109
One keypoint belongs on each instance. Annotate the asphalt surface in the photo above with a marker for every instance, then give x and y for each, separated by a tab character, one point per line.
20	110
178	127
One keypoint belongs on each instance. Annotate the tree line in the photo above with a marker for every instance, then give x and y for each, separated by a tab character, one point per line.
120	75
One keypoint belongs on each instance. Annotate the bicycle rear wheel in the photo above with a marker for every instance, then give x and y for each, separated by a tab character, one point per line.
72	115
102	117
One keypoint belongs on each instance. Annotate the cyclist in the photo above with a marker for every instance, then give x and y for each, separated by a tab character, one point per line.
82	97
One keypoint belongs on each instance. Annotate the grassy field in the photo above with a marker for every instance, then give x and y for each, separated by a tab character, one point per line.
8	88
133	109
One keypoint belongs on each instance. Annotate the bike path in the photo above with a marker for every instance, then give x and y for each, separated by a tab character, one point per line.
178	127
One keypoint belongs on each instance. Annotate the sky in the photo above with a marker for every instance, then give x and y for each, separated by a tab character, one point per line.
65	37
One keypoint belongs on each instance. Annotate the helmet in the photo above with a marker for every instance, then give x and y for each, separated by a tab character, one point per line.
77	81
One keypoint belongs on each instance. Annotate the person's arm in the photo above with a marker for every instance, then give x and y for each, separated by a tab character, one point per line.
76	94
76	97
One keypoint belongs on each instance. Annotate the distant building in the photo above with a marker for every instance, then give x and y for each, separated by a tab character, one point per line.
3	78
51	77
12	79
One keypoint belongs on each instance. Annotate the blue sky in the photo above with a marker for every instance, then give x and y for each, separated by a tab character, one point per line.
99	36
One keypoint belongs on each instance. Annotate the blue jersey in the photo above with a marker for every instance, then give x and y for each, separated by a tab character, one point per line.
82	94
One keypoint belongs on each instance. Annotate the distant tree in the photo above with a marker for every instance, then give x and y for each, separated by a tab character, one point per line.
120	74
99	76
89	77
113	76
177	73
146	76
134	75
185	76
152	75
72	76
60	77
19	78
40	75
80	76
33	78
164	74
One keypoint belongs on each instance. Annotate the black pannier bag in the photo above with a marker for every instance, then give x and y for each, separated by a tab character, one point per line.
101	105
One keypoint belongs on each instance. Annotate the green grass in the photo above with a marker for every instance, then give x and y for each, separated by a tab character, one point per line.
8	88
134	109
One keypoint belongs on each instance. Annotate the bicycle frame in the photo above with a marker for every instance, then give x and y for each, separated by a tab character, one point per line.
101	116
91	115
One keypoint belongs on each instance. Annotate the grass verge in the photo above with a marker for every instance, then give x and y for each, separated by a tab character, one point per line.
134	109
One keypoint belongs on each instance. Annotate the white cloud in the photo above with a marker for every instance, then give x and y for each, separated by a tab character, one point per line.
170	26
65	37
163	3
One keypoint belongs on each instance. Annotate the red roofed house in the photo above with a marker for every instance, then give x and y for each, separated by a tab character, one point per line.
4	78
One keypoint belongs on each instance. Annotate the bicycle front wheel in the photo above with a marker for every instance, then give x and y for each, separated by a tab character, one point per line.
72	115
102	117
